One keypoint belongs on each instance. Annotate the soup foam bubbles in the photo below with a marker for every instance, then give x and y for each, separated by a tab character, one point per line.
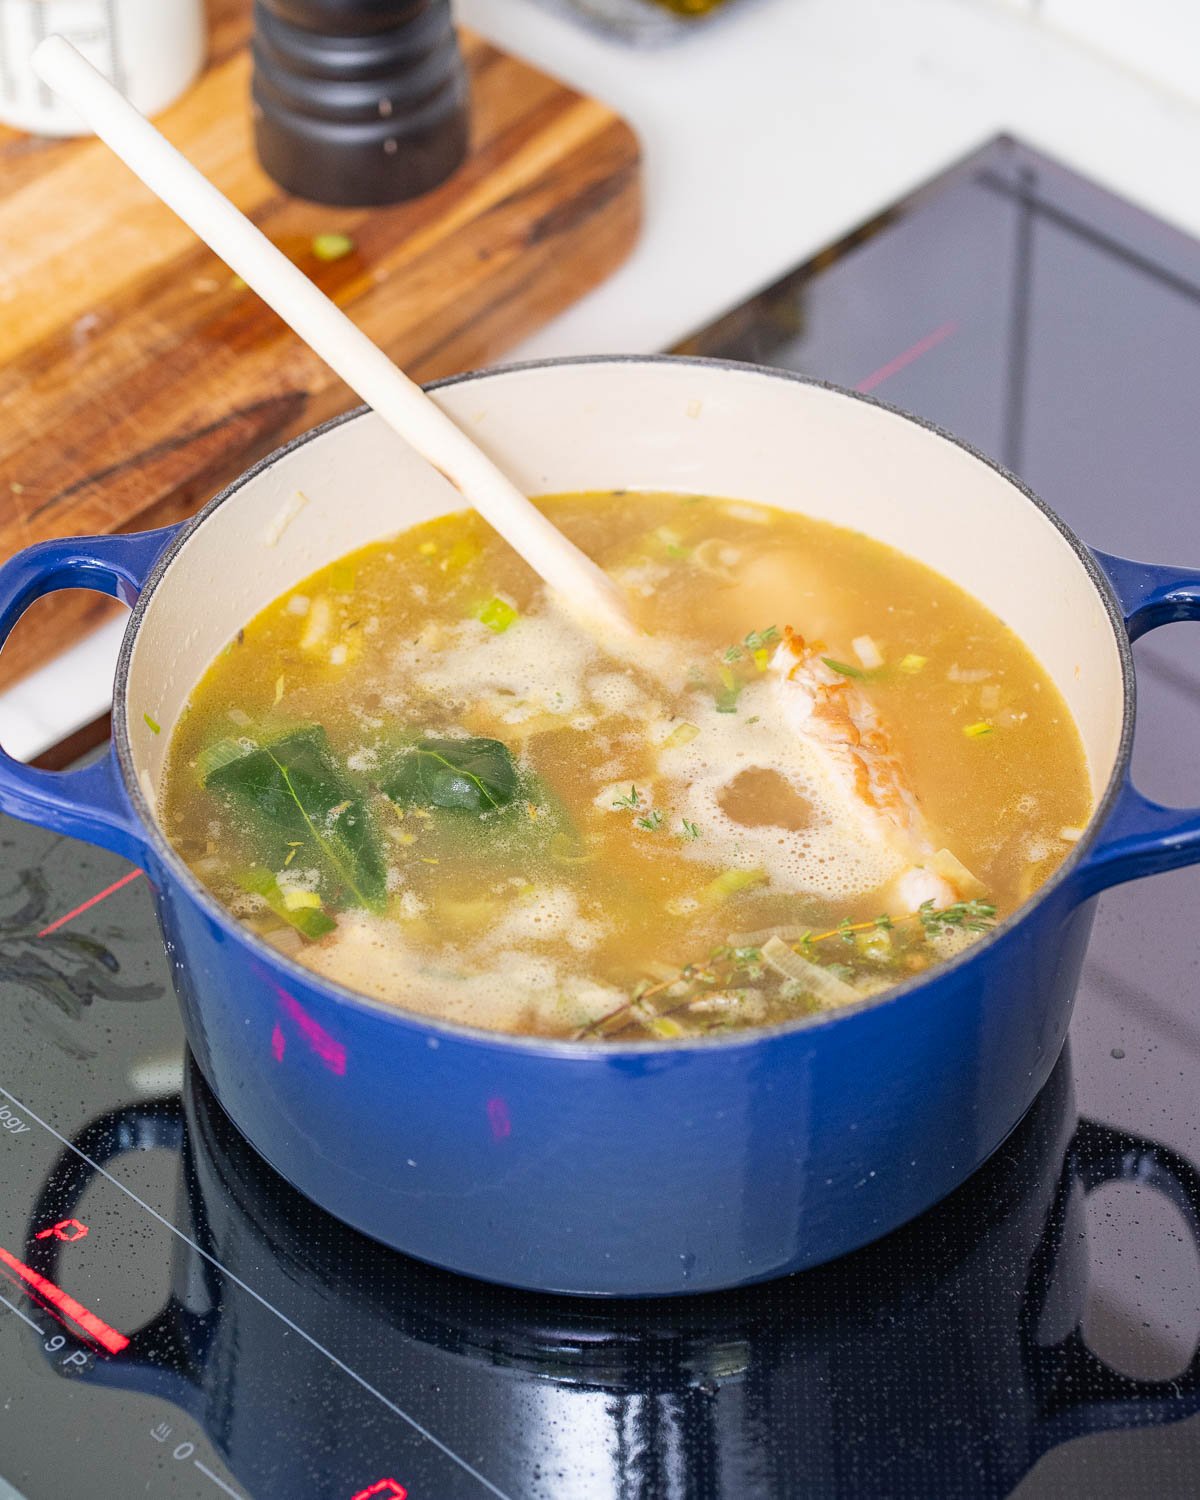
490	988
828	859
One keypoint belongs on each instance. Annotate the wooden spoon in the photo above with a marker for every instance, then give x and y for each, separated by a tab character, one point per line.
580	585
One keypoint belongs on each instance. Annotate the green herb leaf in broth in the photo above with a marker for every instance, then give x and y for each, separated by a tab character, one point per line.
474	775
844	669
295	793
754	640
975	916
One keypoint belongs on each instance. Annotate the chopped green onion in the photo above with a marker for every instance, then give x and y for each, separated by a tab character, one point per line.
329	247
497	614
672	542
682	734
979	730
296	900
729	882
728	693
152	724
311	921
912	663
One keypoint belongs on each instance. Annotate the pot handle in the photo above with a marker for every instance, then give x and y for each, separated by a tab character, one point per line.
89	804
1140	836
1077	1392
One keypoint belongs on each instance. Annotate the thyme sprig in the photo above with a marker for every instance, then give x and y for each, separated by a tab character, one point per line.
755	640
726	963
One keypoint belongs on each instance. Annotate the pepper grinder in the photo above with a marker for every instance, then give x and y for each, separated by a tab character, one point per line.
358	102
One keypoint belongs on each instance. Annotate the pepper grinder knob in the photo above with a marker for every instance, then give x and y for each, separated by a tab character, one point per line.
358	102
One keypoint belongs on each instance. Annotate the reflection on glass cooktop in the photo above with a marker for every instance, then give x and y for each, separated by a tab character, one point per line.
175	1320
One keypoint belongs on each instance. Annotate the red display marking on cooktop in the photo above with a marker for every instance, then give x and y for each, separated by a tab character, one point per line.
108	1338
87	905
65	1229
914	352
382	1489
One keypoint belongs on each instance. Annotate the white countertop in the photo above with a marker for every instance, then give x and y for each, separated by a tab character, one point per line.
771	131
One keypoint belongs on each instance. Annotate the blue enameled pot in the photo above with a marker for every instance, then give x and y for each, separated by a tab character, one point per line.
639	1168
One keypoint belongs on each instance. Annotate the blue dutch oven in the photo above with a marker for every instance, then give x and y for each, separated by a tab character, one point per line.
943	1361
639	1168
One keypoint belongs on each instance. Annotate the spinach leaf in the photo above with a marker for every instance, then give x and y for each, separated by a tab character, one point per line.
476	775
298	797
311	921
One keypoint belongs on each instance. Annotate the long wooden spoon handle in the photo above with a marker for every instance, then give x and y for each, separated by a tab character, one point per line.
403	405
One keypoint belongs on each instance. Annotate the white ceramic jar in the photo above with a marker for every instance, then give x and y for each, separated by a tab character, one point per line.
151	49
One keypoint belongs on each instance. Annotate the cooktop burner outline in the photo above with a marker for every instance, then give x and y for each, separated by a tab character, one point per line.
258	1297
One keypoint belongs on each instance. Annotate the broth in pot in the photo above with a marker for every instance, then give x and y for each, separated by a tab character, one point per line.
825	769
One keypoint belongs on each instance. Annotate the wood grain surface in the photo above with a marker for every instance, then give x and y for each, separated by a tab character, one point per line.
137	376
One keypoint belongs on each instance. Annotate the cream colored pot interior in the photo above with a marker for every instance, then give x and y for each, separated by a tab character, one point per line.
651	425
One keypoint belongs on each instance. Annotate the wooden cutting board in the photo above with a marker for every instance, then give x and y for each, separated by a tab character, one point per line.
137	376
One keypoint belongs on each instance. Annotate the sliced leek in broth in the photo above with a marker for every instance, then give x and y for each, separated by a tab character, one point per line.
827	769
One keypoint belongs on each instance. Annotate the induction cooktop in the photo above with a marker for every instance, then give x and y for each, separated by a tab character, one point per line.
175	1320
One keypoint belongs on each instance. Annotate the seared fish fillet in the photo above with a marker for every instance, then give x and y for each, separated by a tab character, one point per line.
834	716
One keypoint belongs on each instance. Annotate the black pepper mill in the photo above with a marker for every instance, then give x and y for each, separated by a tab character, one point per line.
358	102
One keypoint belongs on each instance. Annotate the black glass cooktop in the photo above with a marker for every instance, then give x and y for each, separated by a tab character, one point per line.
176	1321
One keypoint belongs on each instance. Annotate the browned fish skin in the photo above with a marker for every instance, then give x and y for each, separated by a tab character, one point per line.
833	712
